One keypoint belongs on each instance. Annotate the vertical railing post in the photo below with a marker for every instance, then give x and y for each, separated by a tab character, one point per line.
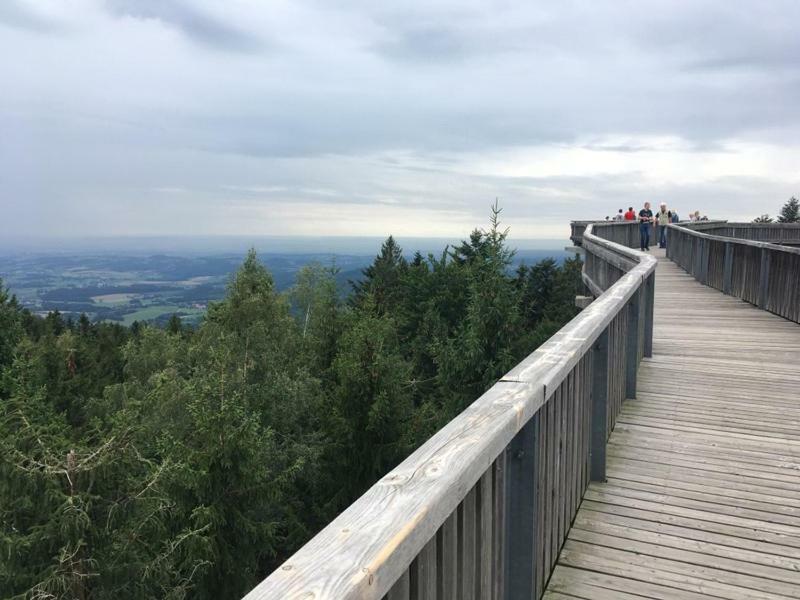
763	282
650	297
727	269
704	259
597	451
520	515
669	235
632	344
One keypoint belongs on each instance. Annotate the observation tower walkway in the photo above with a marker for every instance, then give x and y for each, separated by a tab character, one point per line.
702	498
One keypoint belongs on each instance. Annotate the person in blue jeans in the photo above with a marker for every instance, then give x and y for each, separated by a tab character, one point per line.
645	223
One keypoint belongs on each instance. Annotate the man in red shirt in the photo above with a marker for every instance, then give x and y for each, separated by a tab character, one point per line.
630	215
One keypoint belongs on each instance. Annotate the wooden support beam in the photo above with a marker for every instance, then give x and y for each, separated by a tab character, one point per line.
727	269
632	345
763	283
520	510
597	452
650	297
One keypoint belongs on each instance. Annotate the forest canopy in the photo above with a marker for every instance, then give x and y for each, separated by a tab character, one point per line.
150	462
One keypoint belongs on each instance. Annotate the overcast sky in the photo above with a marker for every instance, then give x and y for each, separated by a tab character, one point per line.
158	117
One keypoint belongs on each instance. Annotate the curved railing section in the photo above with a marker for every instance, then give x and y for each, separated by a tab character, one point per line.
761	273
482	508
625	233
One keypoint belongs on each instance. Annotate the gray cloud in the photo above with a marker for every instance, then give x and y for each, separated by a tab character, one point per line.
17	15
374	116
194	23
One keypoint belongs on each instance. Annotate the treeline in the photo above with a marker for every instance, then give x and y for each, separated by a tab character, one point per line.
789	213
177	463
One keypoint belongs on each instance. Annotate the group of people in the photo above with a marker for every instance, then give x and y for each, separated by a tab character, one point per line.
647	220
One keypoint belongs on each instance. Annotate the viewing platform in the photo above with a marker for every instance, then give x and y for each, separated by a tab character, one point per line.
650	449
702	497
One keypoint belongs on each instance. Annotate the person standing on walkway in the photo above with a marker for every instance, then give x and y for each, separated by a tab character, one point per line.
645	222
630	215
674	218
618	216
662	220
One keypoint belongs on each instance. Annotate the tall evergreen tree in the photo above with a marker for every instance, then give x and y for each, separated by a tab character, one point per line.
482	349
10	327
380	280
371	402
790	212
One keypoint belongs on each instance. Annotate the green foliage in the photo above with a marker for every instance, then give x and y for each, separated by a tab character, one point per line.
765	218
10	326
178	463
790	212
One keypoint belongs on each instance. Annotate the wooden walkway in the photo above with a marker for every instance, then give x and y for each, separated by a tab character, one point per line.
703	491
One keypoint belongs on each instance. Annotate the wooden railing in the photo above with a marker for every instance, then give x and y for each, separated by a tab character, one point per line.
480	511
764	274
772	233
625	233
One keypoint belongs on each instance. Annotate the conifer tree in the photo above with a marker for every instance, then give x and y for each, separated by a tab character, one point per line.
10	327
380	280
174	325
371	402
790	212
483	347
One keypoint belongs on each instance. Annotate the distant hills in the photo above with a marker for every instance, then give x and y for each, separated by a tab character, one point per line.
153	278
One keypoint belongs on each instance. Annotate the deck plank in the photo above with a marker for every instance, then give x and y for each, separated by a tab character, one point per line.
703	491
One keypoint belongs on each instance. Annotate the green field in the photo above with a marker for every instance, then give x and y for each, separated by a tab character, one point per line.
155	311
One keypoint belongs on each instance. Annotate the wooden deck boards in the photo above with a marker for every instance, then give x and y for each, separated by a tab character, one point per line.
703	491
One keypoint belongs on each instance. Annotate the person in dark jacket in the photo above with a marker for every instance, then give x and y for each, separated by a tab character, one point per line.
645	223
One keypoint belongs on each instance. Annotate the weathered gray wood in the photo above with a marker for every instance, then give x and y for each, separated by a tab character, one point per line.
762	273
763	285
599	401
424	571
499	526
703	469
727	277
624	261
467	543
632	345
447	560
520	510
649	314
485	546
541	528
401	590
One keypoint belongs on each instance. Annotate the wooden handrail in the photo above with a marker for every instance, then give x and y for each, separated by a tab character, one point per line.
761	273
482	508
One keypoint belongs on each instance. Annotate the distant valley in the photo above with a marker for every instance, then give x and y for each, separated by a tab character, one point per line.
126	287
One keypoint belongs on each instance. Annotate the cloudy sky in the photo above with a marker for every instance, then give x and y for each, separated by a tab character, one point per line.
159	117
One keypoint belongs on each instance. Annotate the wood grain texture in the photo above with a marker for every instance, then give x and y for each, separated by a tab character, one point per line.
703	466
